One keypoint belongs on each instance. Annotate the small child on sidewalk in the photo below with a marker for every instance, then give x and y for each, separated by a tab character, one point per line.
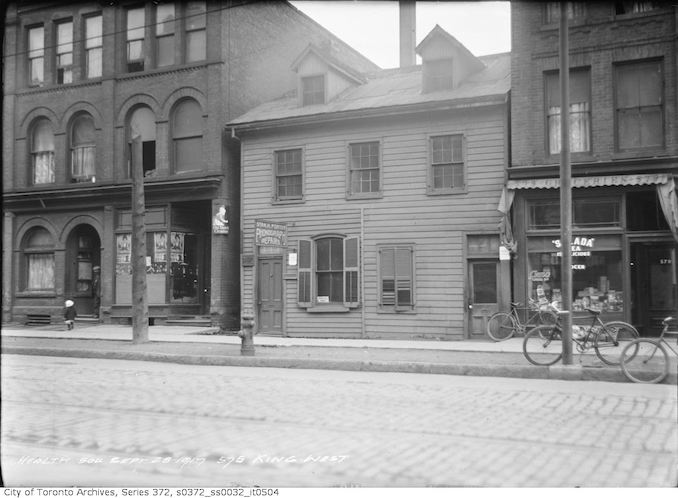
69	314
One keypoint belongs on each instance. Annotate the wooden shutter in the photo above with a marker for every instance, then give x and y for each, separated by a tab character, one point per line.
304	274
396	277
351	271
387	294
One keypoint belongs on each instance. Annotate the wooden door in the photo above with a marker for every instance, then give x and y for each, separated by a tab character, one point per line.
483	295
269	290
655	285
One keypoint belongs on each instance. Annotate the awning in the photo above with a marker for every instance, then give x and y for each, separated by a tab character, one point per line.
591	181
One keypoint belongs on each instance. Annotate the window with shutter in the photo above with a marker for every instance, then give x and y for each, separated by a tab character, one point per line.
351	271
304	270
396	277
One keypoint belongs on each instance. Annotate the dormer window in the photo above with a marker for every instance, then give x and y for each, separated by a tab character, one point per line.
313	90
438	75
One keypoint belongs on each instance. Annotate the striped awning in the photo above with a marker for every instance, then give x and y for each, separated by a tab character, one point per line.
590	181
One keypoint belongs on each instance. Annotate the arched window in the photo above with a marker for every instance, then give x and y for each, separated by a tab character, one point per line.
38	251
42	152
187	136
142	123
83	149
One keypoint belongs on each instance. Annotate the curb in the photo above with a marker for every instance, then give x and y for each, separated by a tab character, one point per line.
557	372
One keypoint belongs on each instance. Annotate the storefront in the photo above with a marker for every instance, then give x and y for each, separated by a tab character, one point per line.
623	248
177	260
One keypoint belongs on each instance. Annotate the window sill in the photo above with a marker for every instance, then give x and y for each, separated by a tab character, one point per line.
361	197
328	308
434	192
394	311
640	152
282	202
35	294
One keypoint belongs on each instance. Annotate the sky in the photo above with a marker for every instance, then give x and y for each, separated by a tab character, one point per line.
371	27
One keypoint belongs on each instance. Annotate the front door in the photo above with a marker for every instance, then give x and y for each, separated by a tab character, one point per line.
654	278
483	295
269	289
83	256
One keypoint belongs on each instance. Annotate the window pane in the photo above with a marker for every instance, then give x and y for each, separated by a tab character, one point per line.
289	187
94	62
195	46
135	24
651	127
82	161
594	212
142	123
43	167
83	131
165	51
36	42
39	238
43	137
64	37
187	119
188	154
164	19
93	32
195	15
484	282
135	50
40	271
544	215
313	90
323	254
37	70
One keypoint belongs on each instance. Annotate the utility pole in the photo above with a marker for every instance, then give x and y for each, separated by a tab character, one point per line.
565	189
139	302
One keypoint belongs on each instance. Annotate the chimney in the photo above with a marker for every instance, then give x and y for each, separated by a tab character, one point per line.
408	40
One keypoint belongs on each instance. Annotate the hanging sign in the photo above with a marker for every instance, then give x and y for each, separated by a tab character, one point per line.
270	234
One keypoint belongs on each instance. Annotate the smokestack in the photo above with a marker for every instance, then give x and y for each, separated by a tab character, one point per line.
408	40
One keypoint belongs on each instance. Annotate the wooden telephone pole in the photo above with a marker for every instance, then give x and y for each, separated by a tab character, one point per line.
139	291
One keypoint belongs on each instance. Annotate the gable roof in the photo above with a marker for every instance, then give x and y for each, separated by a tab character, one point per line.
386	92
325	53
438	32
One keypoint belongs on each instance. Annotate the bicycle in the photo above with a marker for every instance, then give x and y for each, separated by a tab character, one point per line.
502	325
645	360
543	344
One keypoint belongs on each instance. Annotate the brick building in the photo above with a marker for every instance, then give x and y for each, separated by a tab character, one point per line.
624	147
80	80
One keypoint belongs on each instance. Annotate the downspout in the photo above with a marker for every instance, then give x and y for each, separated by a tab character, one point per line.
362	271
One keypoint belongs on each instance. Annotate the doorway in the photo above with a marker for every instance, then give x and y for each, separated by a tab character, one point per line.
83	261
483	295
269	289
653	283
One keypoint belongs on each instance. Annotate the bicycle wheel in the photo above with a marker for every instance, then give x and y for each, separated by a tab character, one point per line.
611	340
501	326
547	317
645	361
543	345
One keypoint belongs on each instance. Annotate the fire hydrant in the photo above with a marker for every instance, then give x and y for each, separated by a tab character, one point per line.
246	334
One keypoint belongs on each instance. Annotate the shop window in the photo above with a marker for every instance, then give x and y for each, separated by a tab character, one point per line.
328	272
437	75
396	278
135	39
447	164
364	170
164	34
639	105
187	136
579	115
83	149
644	213
313	90
93	46
196	27
64	52
42	153
36	56
38	253
596	277
142	123
586	212
288	175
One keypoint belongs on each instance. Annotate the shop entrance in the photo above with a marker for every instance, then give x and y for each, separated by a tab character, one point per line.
653	281
269	289
83	261
483	294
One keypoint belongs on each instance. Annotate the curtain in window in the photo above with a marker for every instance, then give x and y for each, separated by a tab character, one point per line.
83	150
43	153
40	271
580	131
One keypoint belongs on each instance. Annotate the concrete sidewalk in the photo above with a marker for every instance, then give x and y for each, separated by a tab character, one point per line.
202	346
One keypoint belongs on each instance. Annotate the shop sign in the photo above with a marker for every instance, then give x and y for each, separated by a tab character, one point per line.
270	234
540	276
220	221
578	247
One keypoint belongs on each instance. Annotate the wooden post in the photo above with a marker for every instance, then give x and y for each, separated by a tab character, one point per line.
565	189
139	300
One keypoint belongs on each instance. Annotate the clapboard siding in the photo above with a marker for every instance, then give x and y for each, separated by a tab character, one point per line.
404	213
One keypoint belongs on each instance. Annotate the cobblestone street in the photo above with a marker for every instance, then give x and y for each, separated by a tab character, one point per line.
70	421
